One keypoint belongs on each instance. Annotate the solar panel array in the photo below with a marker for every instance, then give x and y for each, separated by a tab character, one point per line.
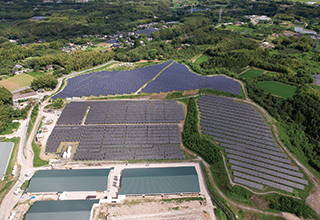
119	112
120	130
178	77
110	82
174	77
255	157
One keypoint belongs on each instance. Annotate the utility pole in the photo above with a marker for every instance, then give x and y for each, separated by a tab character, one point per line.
191	8
220	13
131	3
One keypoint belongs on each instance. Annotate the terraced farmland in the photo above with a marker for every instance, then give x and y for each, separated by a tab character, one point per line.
256	160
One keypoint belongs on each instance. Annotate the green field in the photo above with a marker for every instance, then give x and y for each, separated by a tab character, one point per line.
201	59
251	73
278	89
36	74
22	79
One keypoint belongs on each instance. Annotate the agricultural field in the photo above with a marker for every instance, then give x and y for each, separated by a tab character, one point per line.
100	47
16	82
202	58
278	89
251	73
36	74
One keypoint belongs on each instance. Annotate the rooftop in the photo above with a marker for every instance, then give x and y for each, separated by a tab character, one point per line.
5	152
169	180
147	32
62	210
69	180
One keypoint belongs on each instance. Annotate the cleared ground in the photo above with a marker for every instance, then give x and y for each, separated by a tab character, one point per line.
156	208
17	81
22	80
251	73
201	59
100	47
9	85
278	89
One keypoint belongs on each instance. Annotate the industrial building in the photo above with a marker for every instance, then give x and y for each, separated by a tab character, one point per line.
79	180
5	155
158	181
63	210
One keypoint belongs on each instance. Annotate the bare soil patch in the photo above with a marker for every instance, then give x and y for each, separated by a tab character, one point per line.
258	202
154	208
289	216
290	32
9	85
144	61
191	92
159	96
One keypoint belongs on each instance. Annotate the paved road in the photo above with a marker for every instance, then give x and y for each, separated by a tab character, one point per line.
26	164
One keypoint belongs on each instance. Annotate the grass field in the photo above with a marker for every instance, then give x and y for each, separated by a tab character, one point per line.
9	85
99	47
201	59
278	89
36	74
251	73
22	79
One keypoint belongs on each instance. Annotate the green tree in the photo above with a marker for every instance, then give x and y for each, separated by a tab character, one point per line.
43	82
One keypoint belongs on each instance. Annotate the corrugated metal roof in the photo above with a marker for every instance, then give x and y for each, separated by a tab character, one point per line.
5	153
159	180
69	180
61	210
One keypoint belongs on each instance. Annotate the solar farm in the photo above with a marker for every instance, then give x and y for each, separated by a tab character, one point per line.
255	158
120	130
173	76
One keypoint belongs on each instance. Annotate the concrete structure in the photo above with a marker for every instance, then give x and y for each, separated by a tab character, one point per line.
63	210
80	180
25	96
157	181
5	154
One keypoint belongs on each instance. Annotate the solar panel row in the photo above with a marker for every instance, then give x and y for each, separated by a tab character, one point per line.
113	135
110	82
117	112
268	177
290	175
249	144
248	183
175	77
125	153
263	181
